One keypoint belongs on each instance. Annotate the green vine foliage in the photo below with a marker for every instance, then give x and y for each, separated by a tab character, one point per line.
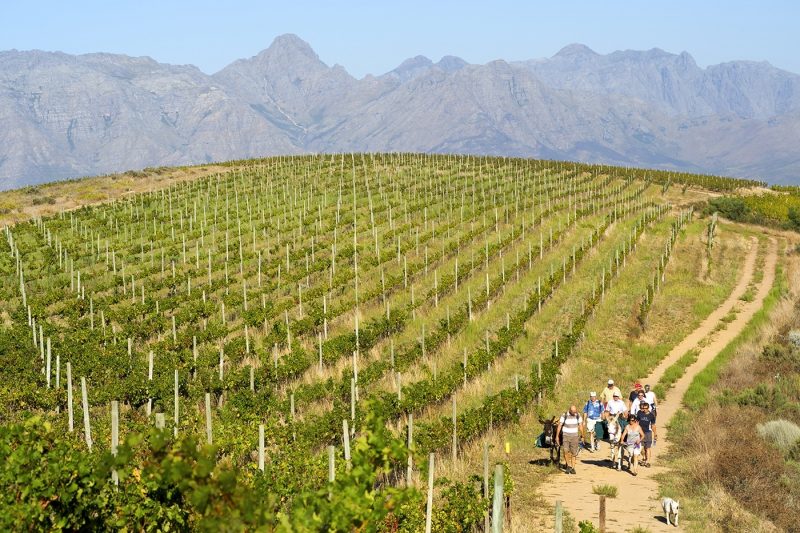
49	482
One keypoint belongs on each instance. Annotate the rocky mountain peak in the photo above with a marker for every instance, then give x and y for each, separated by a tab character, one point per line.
411	68
69	115
451	63
575	51
291	44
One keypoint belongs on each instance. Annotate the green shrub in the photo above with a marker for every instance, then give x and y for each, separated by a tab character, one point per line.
794	218
609	491
732	208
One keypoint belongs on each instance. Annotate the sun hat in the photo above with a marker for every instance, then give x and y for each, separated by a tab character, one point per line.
593	393
637	385
610	381
616	395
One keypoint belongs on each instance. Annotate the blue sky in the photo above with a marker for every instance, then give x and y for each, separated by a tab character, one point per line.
374	36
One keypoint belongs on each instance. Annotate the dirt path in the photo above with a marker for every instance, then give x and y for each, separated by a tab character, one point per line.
637	503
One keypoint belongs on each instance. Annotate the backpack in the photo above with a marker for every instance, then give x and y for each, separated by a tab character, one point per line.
586	408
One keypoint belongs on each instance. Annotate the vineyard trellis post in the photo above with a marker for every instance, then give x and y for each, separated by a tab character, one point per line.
261	447
70	413
87	429
346	443
429	504
497	504
559	521
209	432
177	404
114	437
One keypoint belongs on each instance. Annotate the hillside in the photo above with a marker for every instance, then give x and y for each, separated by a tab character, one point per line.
273	315
69	116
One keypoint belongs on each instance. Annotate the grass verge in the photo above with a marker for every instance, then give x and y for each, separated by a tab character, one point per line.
697	394
675	372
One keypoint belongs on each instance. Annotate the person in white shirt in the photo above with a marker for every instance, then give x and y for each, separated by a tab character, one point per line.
650	396
636	404
570	426
616	406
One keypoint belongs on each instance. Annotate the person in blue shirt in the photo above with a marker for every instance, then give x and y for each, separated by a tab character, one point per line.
592	413
647	421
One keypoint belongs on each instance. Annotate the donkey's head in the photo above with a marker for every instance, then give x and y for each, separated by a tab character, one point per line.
548	426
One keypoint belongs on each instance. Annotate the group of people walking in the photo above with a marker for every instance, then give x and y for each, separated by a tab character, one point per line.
628	425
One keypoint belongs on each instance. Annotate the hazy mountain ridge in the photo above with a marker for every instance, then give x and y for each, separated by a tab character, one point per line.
68	115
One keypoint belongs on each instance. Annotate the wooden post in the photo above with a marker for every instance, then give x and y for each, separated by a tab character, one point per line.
331	464
410	442
209	436
252	379
353	399
261	447
49	359
486	524
160	421
497	504
177	405
346	443
149	409
87	429
114	436
602	514
455	434
465	366
319	336
559	526
429	505
399	388
70	413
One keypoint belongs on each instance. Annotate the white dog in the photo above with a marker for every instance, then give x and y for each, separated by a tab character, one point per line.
671	509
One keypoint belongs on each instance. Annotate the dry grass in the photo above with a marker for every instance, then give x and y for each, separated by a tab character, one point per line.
50	198
729	477
721	450
726	514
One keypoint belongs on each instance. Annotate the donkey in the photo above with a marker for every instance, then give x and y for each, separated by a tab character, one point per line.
614	435
550	441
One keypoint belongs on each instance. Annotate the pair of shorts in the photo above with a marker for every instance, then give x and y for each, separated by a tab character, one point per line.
590	423
648	440
570	444
633	449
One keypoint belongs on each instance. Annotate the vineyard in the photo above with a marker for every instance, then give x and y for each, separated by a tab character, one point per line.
312	343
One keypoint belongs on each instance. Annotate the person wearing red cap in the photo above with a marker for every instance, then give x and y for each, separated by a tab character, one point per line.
634	393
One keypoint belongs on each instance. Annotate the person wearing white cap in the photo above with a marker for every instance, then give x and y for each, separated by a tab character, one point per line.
608	393
616	406
592	413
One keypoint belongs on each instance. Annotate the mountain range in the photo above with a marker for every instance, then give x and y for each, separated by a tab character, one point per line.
72	115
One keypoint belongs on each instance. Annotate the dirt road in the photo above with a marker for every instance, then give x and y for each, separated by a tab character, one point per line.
637	503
